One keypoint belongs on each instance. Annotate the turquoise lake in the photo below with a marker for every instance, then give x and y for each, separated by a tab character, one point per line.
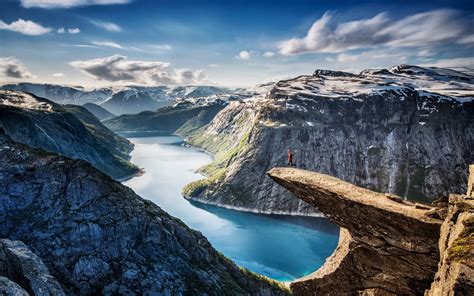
281	247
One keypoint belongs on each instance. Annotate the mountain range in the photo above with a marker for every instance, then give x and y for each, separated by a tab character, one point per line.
119	99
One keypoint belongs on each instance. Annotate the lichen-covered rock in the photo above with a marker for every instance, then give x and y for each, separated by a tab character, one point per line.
97	237
25	269
387	246
456	244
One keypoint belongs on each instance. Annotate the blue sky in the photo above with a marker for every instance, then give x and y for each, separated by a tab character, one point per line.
233	43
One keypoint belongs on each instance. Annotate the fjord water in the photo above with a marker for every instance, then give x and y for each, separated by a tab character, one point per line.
281	247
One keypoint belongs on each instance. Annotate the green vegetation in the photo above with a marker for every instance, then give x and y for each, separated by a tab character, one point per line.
256	276
195	188
462	249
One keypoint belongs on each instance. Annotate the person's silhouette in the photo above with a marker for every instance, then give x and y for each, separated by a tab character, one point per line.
290	158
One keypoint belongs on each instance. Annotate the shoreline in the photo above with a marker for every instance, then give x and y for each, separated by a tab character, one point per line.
254	211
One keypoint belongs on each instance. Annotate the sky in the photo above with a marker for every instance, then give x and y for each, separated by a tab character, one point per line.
96	43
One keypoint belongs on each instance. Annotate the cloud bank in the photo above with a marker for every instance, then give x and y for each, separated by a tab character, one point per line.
68	3
25	27
118	68
422	29
12	68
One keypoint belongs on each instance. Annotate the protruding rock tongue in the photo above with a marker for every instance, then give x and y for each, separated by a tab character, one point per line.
386	242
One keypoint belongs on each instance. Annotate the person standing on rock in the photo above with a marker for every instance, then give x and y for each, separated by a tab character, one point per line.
290	158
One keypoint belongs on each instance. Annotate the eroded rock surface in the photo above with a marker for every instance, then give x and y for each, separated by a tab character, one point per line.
387	246
25	271
456	244
97	237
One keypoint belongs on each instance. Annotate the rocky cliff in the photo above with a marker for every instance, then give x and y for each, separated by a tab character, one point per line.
455	275
96	236
68	130
406	130
387	246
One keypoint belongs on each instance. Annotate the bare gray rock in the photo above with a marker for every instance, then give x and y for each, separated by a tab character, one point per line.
24	268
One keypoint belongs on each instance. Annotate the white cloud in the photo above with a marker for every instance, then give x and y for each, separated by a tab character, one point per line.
107	26
25	27
74	31
13	68
108	44
452	63
161	46
327	35
268	54
61	30
58	74
68	3
81	45
424	53
468	40
244	55
118	68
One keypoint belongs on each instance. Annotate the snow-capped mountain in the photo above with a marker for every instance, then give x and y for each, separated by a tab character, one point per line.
120	99
406	130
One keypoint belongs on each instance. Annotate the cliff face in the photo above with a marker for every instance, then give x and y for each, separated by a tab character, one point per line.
97	236
386	244
68	130
455	275
406	130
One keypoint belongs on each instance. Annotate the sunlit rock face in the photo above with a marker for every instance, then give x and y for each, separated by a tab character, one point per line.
406	130
387	246
97	237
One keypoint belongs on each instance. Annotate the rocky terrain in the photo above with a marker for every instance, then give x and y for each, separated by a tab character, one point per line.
387	246
97	237
406	130
68	130
120	99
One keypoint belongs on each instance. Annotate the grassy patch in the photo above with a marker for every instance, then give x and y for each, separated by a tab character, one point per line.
462	249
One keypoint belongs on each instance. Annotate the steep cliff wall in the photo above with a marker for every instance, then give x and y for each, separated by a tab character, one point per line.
391	131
